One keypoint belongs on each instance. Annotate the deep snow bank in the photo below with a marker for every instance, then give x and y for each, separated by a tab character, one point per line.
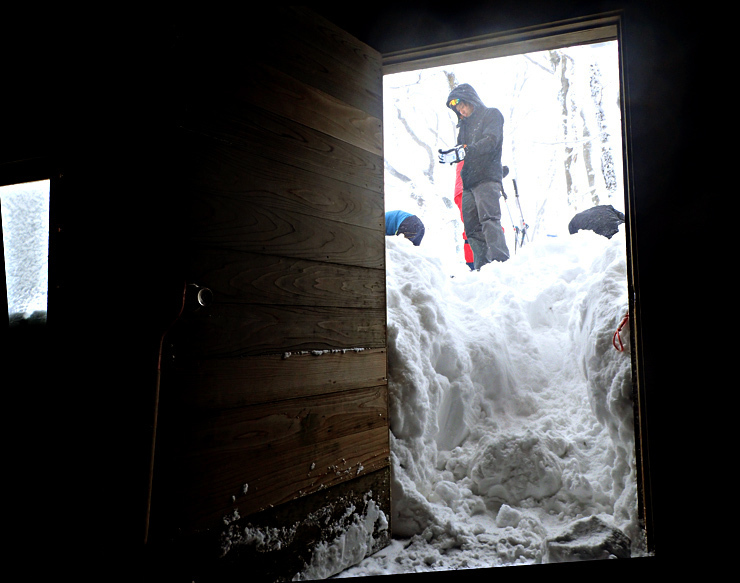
510	407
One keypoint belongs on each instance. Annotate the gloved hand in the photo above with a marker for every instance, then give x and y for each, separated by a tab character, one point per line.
456	154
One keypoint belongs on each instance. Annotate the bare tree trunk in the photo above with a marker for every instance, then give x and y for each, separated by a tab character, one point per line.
590	174
607	160
429	171
395	173
565	63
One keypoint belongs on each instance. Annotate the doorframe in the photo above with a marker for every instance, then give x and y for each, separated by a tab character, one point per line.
593	29
577	31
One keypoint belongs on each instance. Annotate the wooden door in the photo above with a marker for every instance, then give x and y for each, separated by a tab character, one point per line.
272	421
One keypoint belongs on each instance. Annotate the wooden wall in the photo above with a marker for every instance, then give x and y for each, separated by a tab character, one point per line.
275	391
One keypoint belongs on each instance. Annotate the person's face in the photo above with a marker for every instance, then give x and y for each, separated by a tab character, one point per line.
464	109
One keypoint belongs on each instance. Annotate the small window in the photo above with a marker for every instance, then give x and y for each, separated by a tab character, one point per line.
25	228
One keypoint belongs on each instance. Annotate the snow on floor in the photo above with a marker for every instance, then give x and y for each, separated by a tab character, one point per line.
511	411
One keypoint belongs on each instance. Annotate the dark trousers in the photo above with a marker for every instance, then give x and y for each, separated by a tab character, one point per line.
482	218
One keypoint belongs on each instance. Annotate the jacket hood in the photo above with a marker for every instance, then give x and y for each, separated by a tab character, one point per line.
466	93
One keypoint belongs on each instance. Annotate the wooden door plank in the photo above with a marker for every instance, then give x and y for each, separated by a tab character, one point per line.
278	199
256	131
230	222
326	57
312	107
253	278
215	168
237	382
250	458
233	330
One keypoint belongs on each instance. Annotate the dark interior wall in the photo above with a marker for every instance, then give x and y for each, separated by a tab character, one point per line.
90	97
97	103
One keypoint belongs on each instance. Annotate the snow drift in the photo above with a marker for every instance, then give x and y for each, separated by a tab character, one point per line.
511	410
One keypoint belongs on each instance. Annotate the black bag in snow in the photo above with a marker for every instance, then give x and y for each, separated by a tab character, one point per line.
603	219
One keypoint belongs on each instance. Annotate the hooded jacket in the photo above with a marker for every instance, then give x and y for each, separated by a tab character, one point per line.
483	134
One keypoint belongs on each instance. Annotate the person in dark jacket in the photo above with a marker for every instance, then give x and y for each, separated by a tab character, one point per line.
479	143
406	224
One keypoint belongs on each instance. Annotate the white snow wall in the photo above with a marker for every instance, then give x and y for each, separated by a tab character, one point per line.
505	387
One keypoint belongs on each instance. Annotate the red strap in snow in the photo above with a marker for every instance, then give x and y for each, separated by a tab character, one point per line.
616	338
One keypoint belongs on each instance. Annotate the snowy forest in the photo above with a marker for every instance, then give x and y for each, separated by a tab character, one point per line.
562	138
511	414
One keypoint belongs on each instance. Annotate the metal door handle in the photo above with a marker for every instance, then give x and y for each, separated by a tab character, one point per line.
199	296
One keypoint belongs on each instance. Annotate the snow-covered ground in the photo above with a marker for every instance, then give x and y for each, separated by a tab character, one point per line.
511	410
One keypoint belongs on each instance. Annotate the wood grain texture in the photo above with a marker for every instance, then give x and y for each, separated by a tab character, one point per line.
214	167
305	104
250	458
329	59
232	200
237	382
253	278
256	131
234	331
231	223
